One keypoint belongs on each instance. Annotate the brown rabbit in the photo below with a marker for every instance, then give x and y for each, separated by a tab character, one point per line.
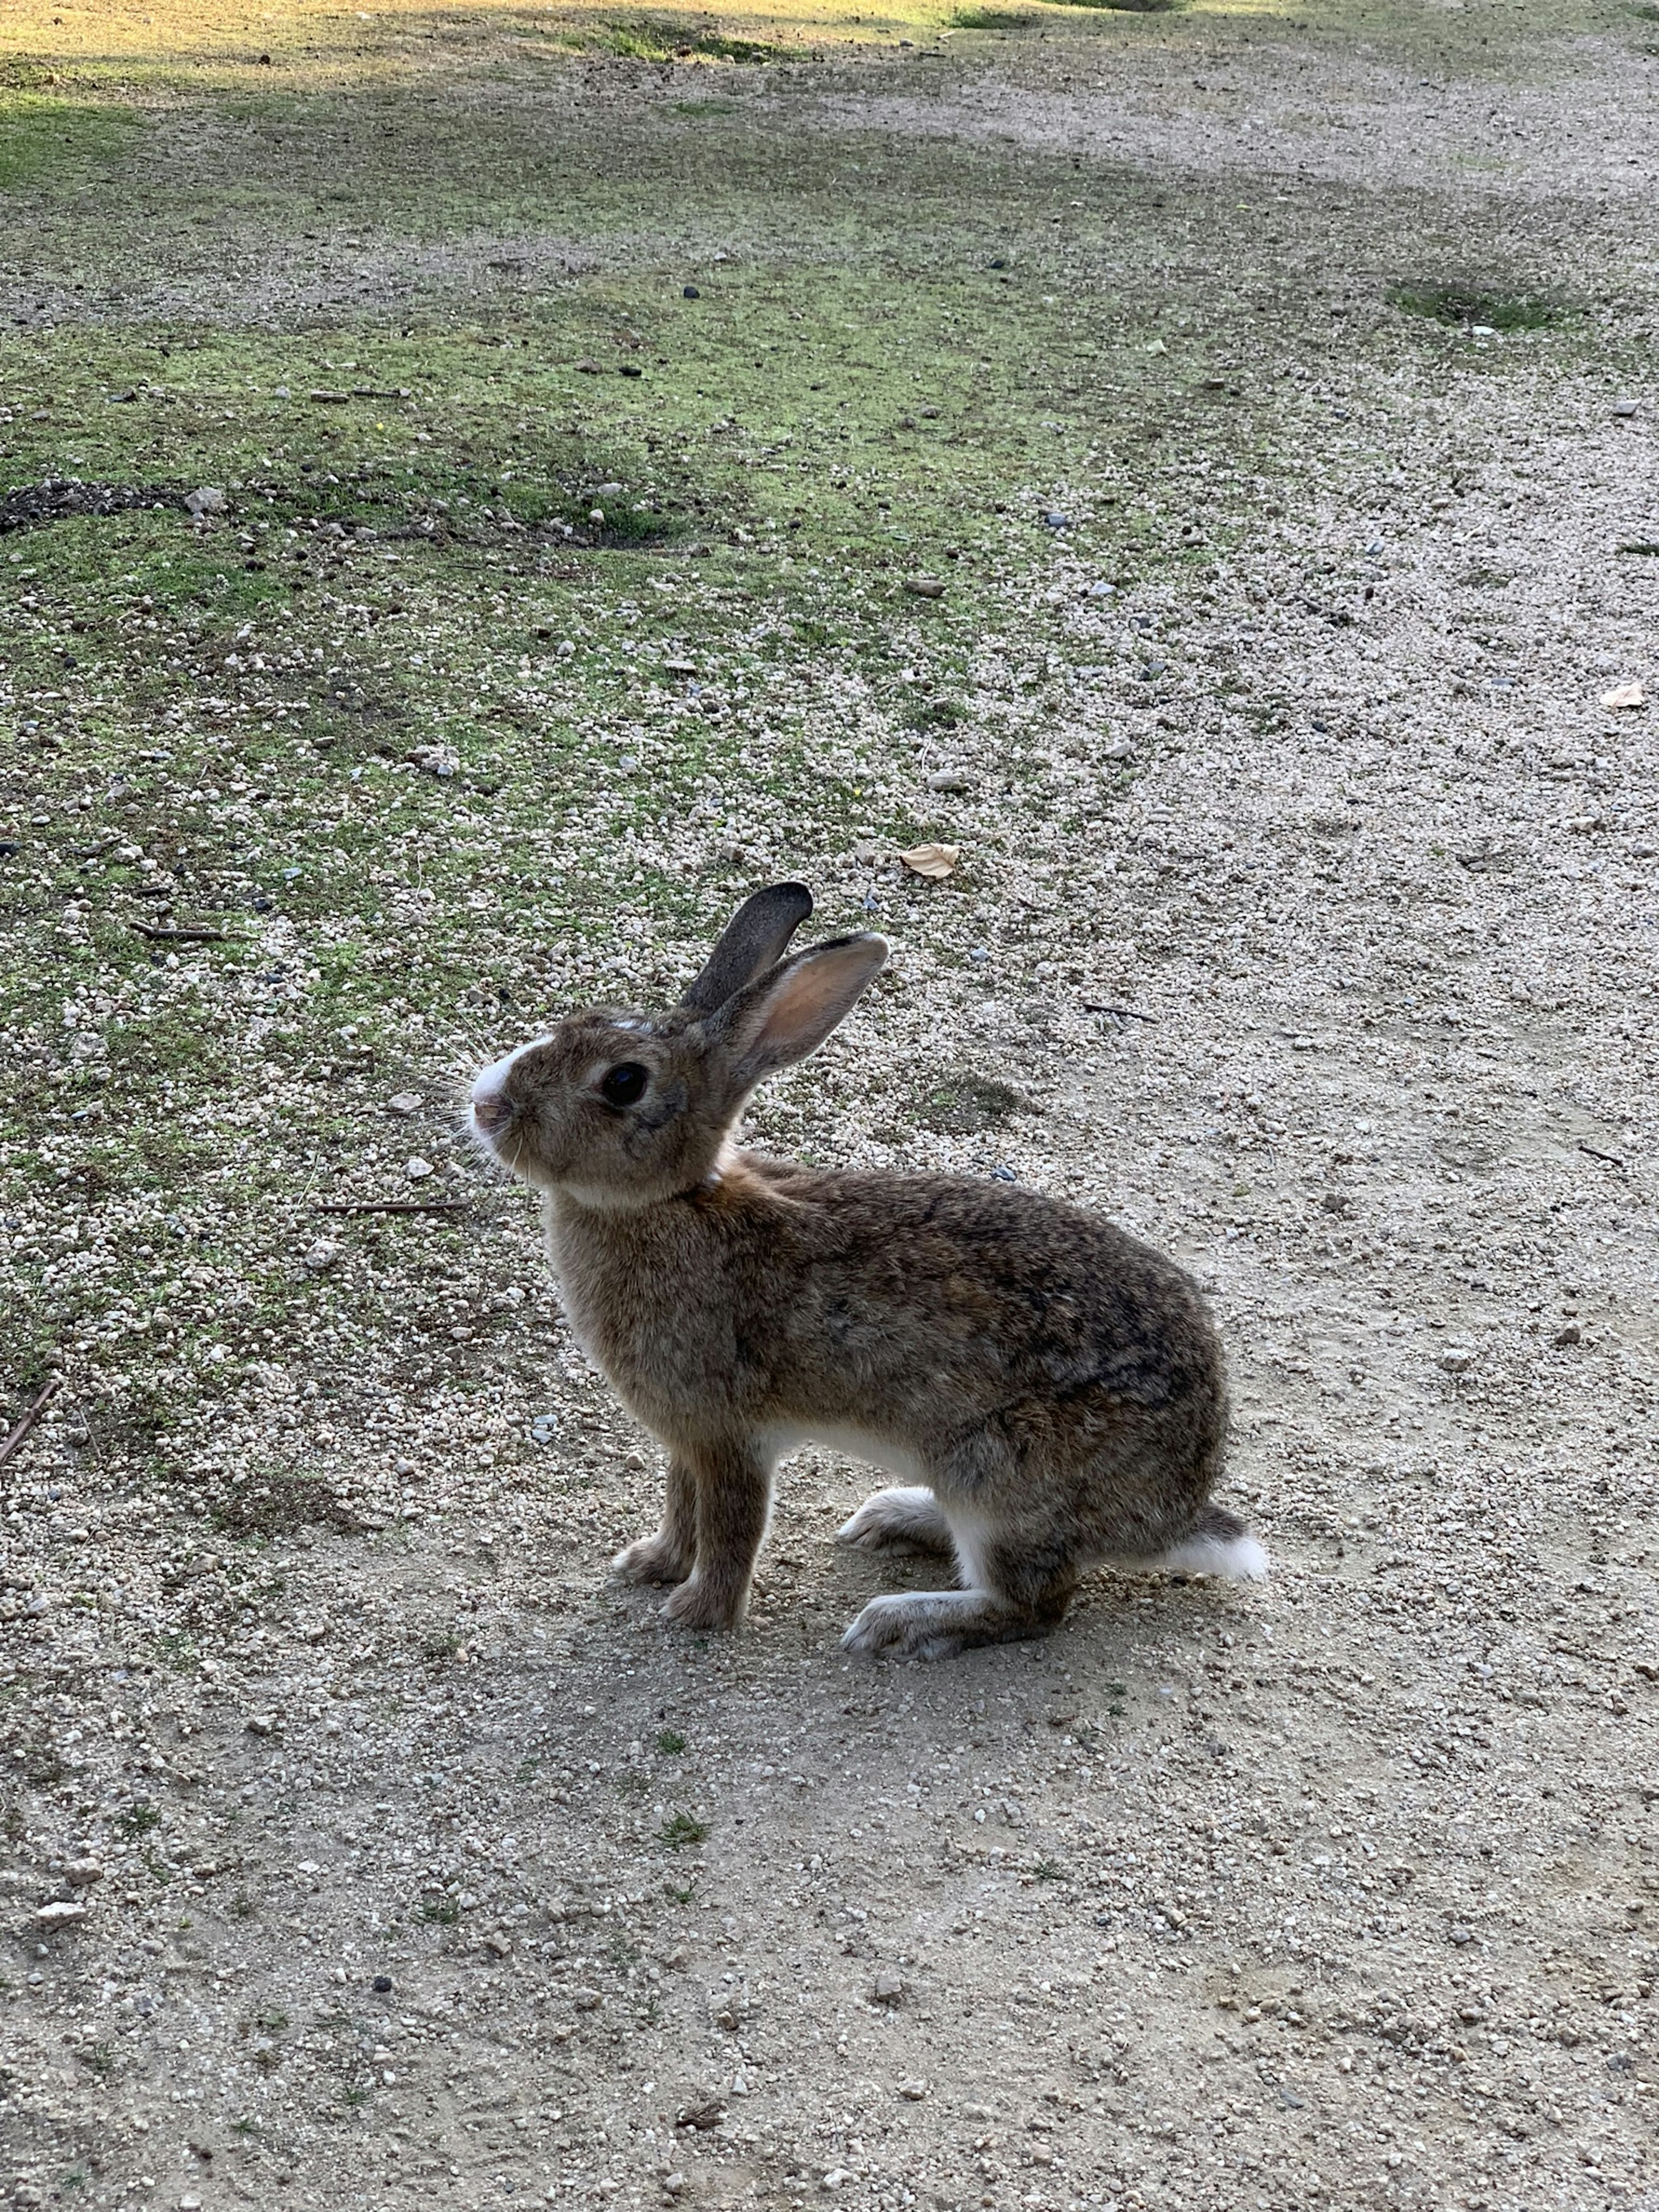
1050	1393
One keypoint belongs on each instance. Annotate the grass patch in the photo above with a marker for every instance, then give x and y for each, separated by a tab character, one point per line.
46	141
669	1742
653	38
1467	304
440	1912
965	1104
682	1830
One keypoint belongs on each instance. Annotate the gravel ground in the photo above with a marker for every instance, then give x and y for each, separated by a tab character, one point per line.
367	1847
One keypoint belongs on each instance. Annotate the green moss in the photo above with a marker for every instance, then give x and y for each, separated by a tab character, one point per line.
1466	303
47	140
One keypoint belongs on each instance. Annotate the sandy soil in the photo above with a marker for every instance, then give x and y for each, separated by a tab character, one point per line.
476	1885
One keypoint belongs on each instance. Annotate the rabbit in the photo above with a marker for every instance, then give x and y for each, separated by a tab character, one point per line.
1050	1394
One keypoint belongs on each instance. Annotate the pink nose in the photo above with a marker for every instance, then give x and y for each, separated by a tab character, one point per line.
492	1111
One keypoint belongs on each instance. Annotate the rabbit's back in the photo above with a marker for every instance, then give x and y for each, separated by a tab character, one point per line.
910	1306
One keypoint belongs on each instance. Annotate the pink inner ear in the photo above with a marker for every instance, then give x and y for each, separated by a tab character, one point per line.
796	1014
805	1006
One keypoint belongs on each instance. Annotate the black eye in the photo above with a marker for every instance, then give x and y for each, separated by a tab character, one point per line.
625	1085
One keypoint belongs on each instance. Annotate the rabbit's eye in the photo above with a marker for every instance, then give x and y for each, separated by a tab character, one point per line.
625	1085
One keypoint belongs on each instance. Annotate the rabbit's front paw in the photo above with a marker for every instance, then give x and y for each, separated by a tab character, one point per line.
700	1604
653	1560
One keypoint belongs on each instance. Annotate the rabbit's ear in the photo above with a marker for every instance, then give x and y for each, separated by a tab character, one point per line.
784	1017
752	941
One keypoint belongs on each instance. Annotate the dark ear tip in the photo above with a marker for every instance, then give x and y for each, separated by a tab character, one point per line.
796	895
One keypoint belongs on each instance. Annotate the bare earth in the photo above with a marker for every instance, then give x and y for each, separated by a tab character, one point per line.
1339	1891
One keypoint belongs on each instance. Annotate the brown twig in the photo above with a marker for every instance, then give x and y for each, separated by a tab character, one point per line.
17	1435
394	1206
180	936
1612	1159
1128	1013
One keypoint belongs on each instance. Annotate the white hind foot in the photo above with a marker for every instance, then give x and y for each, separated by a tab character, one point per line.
937	1624
905	1520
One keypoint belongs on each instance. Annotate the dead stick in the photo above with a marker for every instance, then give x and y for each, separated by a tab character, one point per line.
17	1436
181	936
396	1206
1612	1159
1129	1014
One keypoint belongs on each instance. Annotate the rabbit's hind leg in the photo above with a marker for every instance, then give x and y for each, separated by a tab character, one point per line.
902	1520
1011	1598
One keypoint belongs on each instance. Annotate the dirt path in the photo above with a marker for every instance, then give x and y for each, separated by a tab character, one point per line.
436	1871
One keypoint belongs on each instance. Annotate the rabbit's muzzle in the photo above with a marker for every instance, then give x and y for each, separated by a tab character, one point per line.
491	1111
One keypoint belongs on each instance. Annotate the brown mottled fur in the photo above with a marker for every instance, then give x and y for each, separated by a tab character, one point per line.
1055	1389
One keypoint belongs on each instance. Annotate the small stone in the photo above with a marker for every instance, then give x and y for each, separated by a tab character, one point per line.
1624	697
63	1914
321	1256
1119	750
381	1985
925	587
416	1169
690	292
404	1103
262	1723
81	1873
435	760
1461	1935
1570	1335
207	499
587	2000
610	492
498	1947
1053	520
887	1989
950	778
912	2092
1455	1361
1624	410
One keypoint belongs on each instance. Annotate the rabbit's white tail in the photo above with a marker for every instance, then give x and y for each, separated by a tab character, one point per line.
1217	1543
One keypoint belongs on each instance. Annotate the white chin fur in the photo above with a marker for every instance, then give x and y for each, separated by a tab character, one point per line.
1236	1558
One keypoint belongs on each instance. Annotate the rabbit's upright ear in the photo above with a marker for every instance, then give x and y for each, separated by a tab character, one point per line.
786	1016
751	942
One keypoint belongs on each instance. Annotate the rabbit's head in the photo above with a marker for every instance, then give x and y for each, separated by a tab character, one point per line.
622	1109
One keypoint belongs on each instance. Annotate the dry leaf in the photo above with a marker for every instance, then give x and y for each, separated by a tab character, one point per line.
1625	694
931	860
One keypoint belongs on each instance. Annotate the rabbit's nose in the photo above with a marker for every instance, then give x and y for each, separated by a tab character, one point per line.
491	1111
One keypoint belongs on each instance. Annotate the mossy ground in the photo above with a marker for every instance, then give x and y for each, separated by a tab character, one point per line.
633	561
